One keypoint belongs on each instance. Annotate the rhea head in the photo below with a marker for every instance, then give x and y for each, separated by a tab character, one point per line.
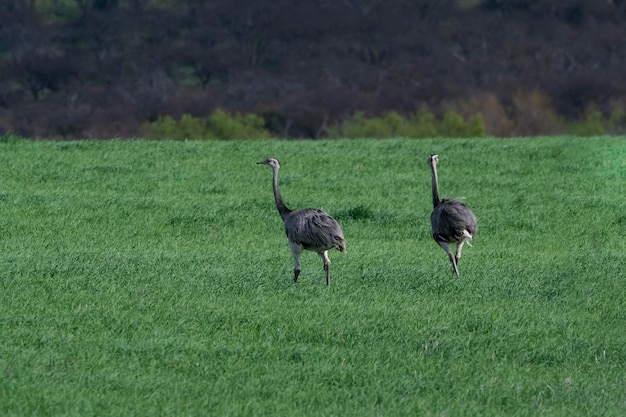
433	159
273	162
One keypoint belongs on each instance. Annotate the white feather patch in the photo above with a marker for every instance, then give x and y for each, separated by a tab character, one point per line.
468	237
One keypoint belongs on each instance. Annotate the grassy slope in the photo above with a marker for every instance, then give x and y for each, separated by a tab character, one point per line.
154	278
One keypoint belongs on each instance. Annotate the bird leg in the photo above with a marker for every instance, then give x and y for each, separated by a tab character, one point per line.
327	273
453	260
455	267
326	260
296	250
459	246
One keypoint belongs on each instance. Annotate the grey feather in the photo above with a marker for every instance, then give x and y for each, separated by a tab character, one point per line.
450	218
314	230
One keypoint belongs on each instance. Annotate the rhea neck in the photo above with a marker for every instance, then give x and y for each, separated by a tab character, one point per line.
436	200
280	205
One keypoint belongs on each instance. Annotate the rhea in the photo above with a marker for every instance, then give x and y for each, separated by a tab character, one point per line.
452	221
311	228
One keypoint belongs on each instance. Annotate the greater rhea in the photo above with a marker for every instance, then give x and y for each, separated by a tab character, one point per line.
311	228
451	221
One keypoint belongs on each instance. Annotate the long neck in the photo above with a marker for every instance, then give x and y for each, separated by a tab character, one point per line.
280	205
436	200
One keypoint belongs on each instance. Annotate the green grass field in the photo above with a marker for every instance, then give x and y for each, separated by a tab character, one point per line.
154	278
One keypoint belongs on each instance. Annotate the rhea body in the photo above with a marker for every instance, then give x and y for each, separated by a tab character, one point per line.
452	221
308	229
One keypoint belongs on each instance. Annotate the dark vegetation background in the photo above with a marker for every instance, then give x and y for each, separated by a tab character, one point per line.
102	68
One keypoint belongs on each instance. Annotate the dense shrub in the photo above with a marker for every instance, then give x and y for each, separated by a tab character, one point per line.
220	125
617	122
423	124
358	126
593	123
9	137
454	126
534	114
495	115
531	111
419	125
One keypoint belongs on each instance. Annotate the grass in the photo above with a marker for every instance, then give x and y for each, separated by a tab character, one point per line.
154	278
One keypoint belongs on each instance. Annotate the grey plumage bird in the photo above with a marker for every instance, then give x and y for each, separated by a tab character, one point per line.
451	221
311	229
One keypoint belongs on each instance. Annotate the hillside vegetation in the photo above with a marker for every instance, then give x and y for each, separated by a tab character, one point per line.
103	68
154	278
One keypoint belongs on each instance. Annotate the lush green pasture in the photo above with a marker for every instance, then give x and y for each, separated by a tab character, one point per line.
154	278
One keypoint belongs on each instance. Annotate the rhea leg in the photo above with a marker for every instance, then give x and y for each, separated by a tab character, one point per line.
296	250
459	246
453	260
324	256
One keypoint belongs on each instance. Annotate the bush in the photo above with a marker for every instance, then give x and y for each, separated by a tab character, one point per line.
219	125
617	122
476	126
494	116
532	108
223	126
534	115
594	123
591	124
420	125
358	126
9	137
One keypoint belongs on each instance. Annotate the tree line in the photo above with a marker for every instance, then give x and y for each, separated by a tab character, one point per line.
105	68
